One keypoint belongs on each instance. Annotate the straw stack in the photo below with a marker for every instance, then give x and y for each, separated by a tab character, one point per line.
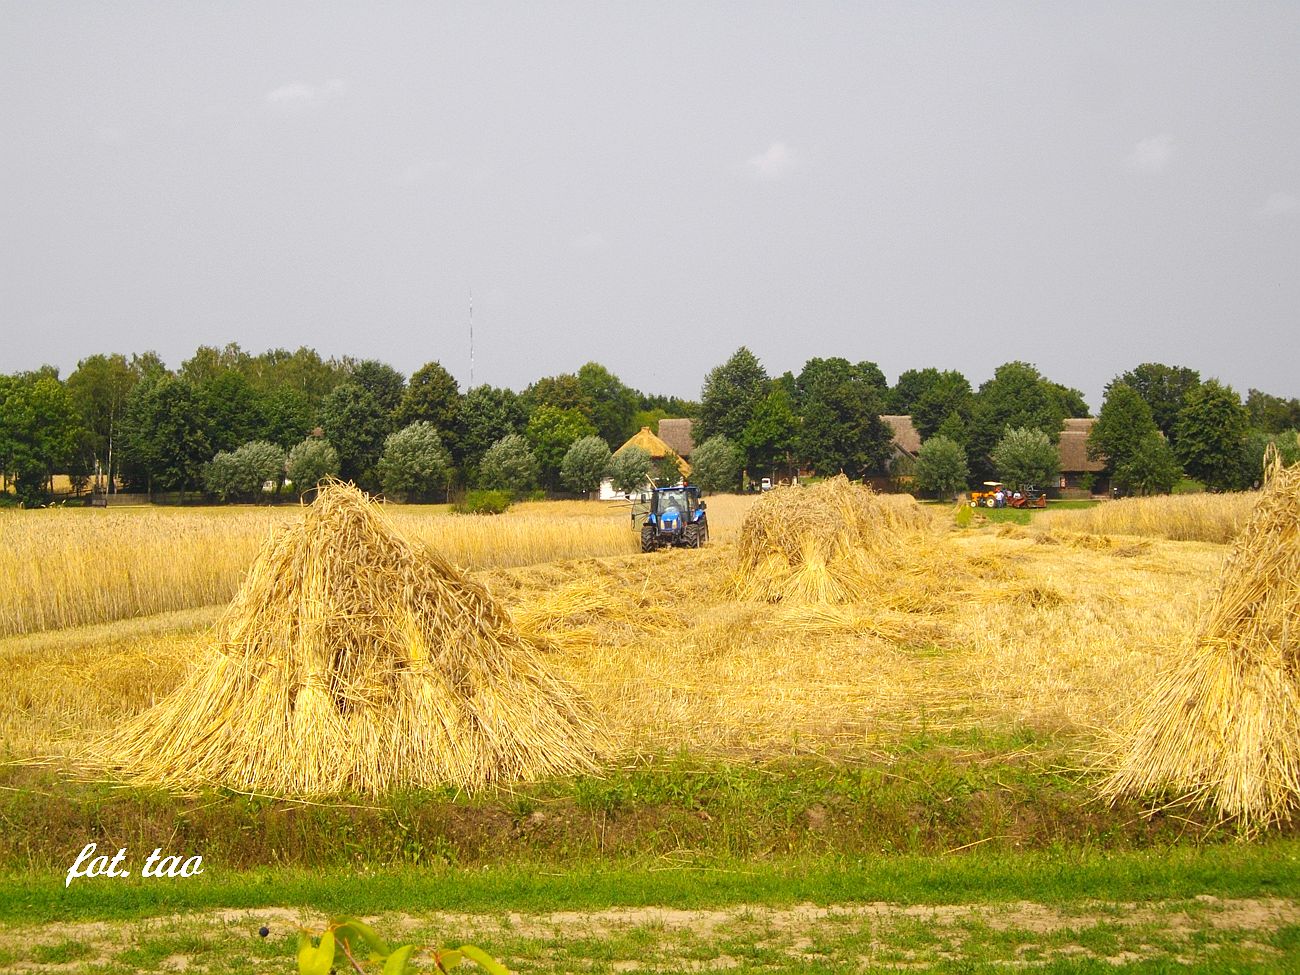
1222	727
352	661
823	544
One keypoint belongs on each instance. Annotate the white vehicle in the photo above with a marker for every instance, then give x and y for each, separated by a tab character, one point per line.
767	484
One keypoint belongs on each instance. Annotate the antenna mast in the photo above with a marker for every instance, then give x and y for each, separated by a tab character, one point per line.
471	338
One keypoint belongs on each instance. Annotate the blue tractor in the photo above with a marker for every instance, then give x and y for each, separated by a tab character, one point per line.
677	517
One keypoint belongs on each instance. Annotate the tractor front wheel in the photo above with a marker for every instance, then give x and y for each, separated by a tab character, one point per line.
647	538
691	536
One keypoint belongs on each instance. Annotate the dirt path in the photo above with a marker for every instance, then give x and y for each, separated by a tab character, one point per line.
750	937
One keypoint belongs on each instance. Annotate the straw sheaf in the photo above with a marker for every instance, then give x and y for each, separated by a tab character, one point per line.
823	544
1222	727
352	661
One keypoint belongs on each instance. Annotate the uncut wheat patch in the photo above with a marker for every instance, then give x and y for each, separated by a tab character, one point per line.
1221	727
1180	517
73	567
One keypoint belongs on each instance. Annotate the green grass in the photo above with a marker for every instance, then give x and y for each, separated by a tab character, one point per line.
1063	876
925	794
1088	911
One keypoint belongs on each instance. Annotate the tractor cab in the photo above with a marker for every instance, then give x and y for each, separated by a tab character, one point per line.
676	517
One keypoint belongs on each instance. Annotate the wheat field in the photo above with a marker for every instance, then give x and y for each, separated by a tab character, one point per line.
987	628
65	567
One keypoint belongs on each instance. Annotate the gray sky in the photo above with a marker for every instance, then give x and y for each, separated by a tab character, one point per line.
1084	186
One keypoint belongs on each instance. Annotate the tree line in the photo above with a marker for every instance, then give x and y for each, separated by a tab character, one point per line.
228	421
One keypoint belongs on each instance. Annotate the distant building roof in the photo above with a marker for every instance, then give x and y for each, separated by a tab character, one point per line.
905	436
1073	447
656	448
676	434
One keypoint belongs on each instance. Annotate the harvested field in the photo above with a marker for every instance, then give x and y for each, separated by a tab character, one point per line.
983	629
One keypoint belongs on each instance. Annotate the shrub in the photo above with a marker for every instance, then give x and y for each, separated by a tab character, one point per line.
629	469
414	463
1026	455
243	472
508	465
311	462
584	465
941	467
483	503
715	465
1152	468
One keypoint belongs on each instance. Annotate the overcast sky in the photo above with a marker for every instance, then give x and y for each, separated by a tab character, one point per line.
650	185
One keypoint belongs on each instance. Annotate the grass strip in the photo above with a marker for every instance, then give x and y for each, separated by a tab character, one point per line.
1228	870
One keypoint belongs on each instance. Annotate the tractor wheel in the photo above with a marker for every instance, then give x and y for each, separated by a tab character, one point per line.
647	538
691	536
704	533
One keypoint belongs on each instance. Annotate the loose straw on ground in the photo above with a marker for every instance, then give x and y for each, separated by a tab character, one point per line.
353	661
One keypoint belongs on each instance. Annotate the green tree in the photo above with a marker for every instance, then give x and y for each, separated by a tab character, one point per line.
1026	455
1071	400
432	395
1150	468
563	392
769	436
551	432
415	464
584	465
356	425
1272	414
667	470
1165	389
842	429
487	414
208	362
232	410
629	470
41	431
302	370
941	467
613	403
944	406
311	462
911	386
1121	427
715	465
1016	397
731	393
1256	448
164	434
381	381
100	387
1210	436
287	415
508	465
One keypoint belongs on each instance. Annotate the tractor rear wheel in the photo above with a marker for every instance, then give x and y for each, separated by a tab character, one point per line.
647	538
691	536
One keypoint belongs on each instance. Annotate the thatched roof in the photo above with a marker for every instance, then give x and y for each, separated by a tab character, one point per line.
676	433
656	448
905	436
1073	447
